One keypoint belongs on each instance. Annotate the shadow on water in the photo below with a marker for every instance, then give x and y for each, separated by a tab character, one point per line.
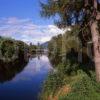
9	70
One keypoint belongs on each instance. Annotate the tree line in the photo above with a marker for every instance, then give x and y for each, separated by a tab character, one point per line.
11	49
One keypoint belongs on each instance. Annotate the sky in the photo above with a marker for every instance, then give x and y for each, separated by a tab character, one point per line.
21	20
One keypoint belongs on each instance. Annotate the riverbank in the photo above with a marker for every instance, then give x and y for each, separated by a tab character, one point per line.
70	82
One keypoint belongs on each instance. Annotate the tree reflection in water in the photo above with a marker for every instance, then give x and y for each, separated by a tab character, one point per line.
9	70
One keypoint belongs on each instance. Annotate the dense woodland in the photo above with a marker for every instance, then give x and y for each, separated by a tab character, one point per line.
75	53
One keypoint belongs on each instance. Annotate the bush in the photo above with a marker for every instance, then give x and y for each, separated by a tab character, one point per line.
83	85
10	48
53	83
7	48
68	68
59	78
85	88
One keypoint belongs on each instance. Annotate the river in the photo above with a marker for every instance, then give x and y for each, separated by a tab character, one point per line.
28	82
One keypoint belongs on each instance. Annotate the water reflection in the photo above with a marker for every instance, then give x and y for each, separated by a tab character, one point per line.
27	84
9	70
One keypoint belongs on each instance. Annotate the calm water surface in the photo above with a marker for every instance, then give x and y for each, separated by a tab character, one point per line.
27	83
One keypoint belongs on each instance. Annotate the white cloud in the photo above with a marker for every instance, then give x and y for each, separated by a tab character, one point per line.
26	30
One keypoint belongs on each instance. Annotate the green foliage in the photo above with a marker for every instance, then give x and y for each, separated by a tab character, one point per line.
21	45
85	88
7	48
63	43
83	83
10	47
59	78
55	45
60	8
32	49
53	83
68	68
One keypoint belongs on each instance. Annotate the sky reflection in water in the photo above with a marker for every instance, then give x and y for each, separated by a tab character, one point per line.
27	84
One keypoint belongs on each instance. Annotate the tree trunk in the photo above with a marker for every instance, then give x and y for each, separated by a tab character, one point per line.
96	47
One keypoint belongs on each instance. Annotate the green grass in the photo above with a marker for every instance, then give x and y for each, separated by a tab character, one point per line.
83	86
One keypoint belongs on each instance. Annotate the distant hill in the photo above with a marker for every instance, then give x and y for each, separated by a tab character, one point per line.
44	45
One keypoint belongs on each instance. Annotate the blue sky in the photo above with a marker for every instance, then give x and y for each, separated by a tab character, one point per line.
20	19
23	9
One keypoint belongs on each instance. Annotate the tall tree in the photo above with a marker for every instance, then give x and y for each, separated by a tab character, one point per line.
84	13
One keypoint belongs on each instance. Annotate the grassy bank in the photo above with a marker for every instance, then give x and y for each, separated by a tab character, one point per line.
71	82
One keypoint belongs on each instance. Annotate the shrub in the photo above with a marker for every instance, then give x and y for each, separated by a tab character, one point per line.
68	68
7	48
53	83
85	88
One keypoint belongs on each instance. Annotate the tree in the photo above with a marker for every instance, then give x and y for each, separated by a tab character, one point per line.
83	13
7	48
